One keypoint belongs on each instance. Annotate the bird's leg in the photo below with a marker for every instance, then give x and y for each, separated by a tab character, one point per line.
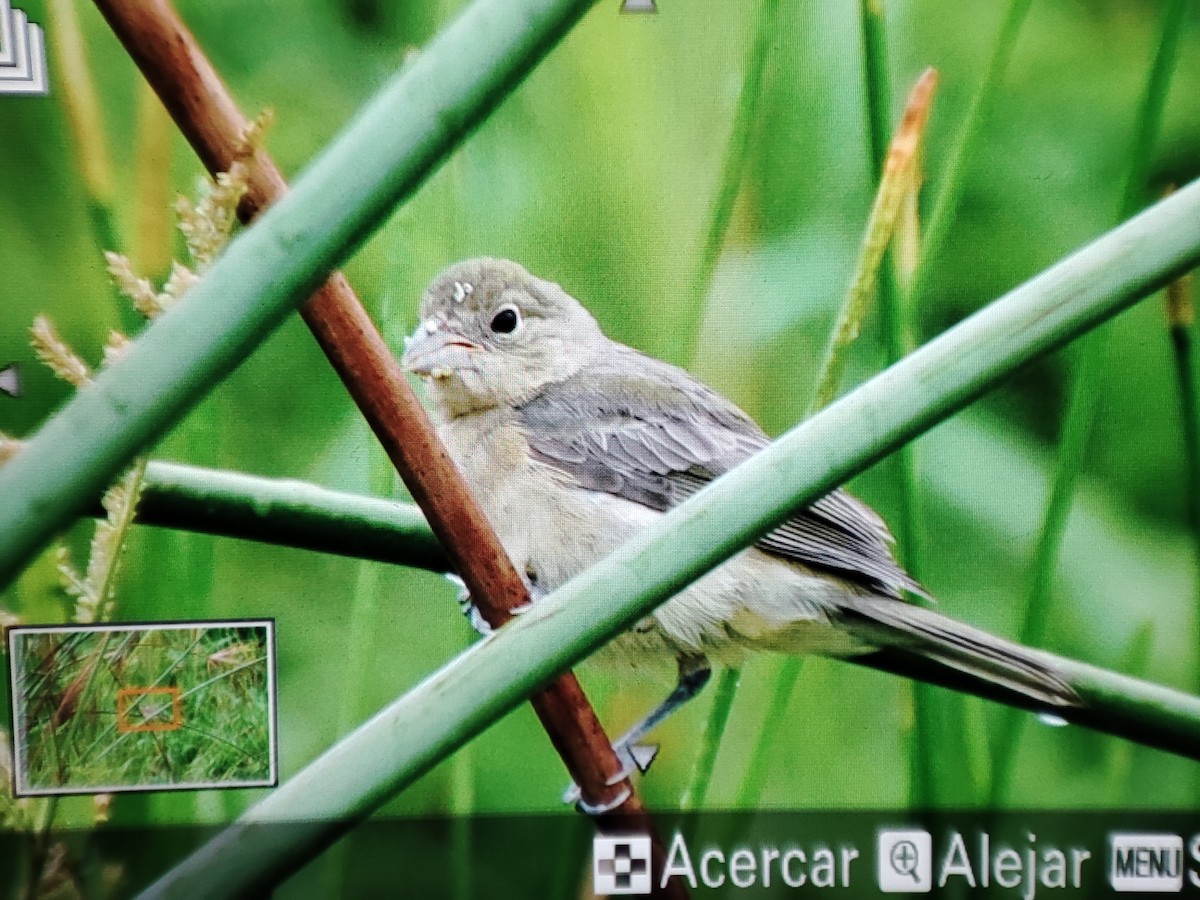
694	672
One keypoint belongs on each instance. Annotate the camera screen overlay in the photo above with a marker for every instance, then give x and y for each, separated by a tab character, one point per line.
660	271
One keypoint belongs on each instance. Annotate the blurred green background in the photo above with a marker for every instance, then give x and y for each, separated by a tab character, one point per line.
600	172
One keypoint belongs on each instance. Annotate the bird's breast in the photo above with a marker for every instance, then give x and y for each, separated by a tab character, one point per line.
489	451
551	528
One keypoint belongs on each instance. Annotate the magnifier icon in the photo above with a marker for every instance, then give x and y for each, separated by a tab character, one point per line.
904	859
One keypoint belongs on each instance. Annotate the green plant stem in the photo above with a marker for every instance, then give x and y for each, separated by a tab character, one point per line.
876	81
1119	763
393	144
288	513
364	609
1076	429
360	651
1181	340
410	736
881	225
870	272
765	30
710	742
1181	319
1090	358
1179	295
1181	344
786	681
1150	110
950	189
894	323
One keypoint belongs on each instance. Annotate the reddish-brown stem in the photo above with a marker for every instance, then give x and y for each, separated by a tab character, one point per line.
205	112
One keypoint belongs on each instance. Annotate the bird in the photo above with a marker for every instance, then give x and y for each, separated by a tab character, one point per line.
572	442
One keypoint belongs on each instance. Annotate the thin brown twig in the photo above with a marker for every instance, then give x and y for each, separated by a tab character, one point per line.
198	101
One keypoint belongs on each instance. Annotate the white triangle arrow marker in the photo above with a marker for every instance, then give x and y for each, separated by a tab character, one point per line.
10	380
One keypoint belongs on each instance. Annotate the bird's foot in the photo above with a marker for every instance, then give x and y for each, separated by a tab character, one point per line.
471	611
633	757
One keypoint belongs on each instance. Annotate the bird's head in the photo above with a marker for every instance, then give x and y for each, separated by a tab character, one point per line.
491	334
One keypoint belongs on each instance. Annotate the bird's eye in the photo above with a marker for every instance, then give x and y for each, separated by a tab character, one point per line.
506	320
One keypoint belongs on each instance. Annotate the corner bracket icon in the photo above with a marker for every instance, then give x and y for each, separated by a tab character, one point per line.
22	54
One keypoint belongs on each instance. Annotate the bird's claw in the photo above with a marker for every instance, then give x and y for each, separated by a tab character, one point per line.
634	758
471	611
597	809
475	617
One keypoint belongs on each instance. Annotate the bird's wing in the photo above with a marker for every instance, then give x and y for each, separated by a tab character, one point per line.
656	437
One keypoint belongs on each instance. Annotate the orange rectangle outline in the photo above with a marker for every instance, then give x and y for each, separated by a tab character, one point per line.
123	701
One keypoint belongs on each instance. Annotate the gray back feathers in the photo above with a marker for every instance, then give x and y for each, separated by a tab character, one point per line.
646	431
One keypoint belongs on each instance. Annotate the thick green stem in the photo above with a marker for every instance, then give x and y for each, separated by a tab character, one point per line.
410	736
288	513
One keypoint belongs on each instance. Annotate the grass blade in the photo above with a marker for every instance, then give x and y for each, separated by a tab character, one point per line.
710	742
765	30
1181	317
945	205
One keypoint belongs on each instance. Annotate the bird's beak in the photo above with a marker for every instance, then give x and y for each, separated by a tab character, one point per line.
434	351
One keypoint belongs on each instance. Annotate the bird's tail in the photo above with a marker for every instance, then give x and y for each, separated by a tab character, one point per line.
885	622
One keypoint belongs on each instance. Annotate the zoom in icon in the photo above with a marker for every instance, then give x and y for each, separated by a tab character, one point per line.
904	862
